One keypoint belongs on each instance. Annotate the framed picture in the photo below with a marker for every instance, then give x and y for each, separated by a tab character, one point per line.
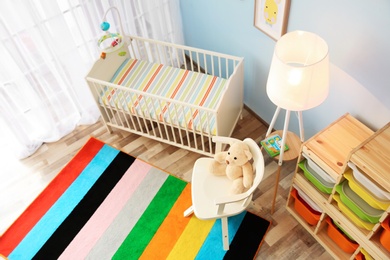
271	17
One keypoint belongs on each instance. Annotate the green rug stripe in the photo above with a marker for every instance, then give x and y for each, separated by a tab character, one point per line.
137	240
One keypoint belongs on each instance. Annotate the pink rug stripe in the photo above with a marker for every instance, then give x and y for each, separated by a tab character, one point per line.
106	213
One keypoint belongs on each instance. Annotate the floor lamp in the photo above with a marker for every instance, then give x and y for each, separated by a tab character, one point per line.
298	80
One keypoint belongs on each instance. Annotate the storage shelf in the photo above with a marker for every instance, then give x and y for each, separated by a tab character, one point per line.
345	140
321	237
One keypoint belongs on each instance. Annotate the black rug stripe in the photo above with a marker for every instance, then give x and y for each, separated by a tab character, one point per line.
247	240
72	225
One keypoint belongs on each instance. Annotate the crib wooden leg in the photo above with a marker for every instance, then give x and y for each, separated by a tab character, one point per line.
109	128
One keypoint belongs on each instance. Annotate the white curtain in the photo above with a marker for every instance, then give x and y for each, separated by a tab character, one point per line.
46	49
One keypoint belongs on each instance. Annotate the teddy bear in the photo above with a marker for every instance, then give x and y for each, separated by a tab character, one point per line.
236	165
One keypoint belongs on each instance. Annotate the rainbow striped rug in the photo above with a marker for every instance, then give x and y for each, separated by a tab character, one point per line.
106	204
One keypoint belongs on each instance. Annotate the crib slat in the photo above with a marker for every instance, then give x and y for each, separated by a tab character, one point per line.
177	58
219	66
198	61
183	53
128	97
212	65
205	63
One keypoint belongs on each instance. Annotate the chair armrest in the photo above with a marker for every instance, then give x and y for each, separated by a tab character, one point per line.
221	202
231	199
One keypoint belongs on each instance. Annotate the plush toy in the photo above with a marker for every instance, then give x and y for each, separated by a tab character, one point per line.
236	165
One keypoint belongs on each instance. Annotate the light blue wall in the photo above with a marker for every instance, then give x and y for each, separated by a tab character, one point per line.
358	35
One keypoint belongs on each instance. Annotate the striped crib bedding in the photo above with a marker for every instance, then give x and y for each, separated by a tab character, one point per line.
178	84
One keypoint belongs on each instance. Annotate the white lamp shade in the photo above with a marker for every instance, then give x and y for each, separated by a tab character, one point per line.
299	74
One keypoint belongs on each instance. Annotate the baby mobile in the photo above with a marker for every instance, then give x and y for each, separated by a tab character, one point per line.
110	42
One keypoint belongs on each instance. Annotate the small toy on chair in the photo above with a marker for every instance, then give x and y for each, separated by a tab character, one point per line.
236	165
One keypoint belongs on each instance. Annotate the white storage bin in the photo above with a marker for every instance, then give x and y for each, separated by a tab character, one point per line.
367	183
326	177
307	199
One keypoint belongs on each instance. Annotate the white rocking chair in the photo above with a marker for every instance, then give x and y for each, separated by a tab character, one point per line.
210	193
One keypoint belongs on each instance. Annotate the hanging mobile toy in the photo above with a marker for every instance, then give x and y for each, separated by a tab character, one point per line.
109	42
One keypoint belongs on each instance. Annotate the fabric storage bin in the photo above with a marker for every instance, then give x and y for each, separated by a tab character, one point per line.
366	194
357	205
304	210
340	238
315	178
368	184
385	235
352	216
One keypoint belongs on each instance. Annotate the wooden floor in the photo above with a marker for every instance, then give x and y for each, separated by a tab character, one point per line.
22	181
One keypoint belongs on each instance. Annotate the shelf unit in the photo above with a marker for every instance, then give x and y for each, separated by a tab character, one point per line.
345	140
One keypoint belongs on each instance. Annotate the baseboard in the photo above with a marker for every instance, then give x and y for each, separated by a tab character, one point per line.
256	116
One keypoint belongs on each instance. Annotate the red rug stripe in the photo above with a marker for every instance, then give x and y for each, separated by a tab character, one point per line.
34	212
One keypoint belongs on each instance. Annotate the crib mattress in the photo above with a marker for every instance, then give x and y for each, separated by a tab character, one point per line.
165	81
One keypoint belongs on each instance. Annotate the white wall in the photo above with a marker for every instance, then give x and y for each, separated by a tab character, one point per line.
358	35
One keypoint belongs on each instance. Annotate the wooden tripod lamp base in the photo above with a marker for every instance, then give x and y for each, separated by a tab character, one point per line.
294	144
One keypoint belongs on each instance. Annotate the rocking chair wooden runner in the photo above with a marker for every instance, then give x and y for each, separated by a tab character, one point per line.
210	193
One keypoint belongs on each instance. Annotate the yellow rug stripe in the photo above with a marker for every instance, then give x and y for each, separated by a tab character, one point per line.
186	246
170	230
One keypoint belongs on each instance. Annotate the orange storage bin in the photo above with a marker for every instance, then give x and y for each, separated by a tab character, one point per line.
385	236
359	256
340	238
304	210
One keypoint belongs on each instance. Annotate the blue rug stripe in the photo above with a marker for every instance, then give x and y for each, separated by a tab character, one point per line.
212	247
42	231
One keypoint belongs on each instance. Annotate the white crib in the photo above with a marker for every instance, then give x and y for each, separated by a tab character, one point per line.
189	121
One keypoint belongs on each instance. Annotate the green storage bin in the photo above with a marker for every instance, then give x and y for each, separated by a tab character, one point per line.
316	179
357	205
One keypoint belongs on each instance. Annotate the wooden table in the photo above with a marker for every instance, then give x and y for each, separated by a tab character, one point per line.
294	144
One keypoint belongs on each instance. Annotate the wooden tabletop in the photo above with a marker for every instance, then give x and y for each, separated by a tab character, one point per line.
294	144
334	144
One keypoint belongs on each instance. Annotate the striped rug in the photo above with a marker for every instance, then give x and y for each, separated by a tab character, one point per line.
106	204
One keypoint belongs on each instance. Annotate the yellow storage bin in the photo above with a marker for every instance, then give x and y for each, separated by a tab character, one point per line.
365	194
363	255
352	216
366	182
